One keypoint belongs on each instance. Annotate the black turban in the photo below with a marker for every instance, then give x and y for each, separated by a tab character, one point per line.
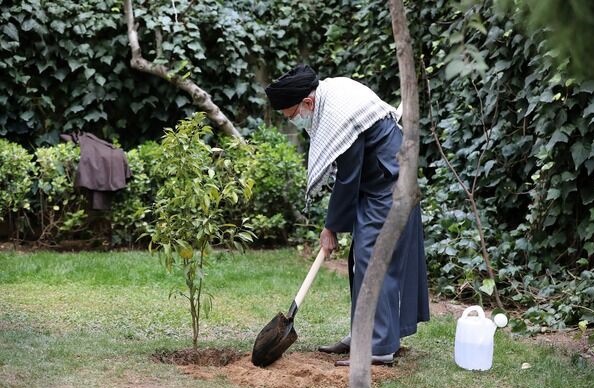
292	87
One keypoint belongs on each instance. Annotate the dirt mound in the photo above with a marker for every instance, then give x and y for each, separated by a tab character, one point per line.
292	370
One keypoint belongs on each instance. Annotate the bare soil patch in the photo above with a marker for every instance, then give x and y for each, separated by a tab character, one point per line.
200	357
292	370
570	342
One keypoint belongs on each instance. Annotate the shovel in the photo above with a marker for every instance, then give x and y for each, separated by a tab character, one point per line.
279	334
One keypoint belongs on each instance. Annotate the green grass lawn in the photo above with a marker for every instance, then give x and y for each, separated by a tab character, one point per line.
94	319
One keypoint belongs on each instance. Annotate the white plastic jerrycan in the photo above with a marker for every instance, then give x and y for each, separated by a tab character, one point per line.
473	348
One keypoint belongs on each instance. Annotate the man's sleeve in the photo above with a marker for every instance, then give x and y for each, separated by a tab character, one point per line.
343	200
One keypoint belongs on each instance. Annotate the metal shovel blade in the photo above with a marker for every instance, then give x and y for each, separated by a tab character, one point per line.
276	337
279	334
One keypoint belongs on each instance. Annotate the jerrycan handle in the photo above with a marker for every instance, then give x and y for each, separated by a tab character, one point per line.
470	309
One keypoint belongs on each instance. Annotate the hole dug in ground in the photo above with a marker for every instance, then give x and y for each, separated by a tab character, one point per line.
292	370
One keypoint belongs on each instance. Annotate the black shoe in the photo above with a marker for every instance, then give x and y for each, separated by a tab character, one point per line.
374	361
337	348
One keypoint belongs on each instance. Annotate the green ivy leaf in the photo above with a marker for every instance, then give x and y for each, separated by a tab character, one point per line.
241	88
58	25
89	72
27	115
107	59
488	166
546	96
579	153
29	24
100	79
136	107
448	267
559	136
12	32
568	176
60	74
488	286
553	194
451	251
284	22
589	291
76	109
181	100
586	228
454	68
74	64
229	92
95	116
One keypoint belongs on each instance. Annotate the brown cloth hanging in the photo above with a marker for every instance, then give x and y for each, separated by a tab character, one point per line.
102	169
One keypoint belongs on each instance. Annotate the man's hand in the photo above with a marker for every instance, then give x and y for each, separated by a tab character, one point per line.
328	240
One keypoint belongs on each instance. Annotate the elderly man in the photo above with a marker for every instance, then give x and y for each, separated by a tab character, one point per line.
354	136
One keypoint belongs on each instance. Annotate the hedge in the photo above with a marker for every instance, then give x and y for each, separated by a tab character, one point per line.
40	190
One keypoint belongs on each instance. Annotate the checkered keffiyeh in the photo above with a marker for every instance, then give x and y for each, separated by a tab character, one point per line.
344	108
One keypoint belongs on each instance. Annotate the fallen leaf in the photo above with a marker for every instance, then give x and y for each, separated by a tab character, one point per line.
526	365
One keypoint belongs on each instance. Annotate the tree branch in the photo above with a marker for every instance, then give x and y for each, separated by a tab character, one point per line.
469	192
199	97
487	133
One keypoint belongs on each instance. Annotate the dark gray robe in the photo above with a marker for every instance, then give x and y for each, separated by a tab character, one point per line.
360	201
102	169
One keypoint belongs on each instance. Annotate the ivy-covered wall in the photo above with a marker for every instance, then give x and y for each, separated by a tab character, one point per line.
64	68
510	117
65	64
532	124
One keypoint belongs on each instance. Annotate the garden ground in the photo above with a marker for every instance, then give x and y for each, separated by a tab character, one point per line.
104	319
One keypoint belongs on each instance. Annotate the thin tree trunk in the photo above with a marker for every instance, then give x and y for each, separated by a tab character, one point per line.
199	97
198	306
486	258
195	319
472	190
405	196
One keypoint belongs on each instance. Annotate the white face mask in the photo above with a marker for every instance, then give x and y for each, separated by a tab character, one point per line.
302	120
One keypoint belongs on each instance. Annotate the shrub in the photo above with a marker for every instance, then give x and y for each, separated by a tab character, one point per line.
130	208
278	172
60	208
131	216
150	154
16	169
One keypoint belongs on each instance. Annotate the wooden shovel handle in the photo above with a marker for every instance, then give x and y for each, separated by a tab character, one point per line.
313	271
